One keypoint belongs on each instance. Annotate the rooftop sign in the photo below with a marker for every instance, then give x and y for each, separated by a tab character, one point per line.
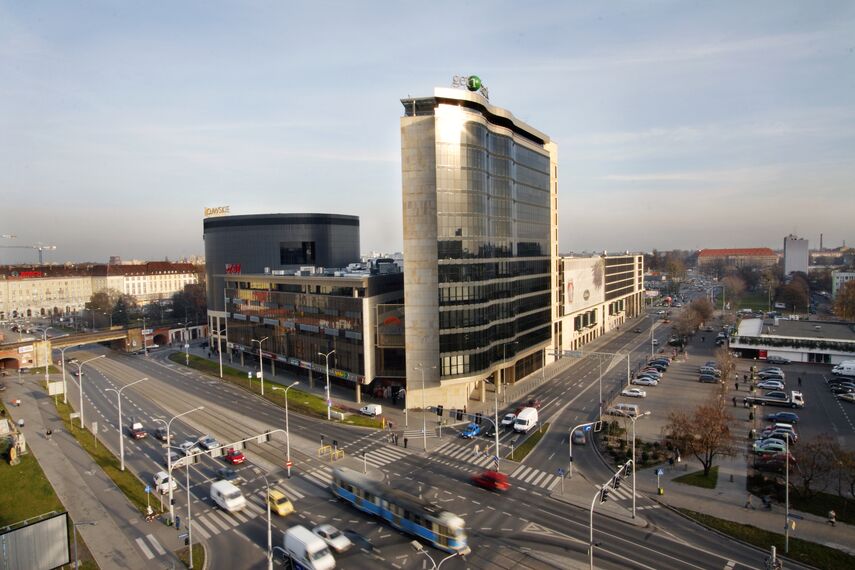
472	83
216	211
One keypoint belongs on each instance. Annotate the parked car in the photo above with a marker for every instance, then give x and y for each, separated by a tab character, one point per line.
783	417
707	378
492	480
471	431
777	360
235	456
771	369
771	385
847	397
333	537
508	420
371	410
208	443
839	389
634	393
770	375
769	446
645	381
710	370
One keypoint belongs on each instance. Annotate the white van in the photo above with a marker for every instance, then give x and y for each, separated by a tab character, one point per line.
526	420
371	410
846	368
227	496
630	410
307	550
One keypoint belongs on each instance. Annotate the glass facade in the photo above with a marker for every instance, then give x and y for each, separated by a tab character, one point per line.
493	245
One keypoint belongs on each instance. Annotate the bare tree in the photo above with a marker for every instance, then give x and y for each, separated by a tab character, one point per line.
704	433
844	301
734	285
847	470
814	461
703	307
726	363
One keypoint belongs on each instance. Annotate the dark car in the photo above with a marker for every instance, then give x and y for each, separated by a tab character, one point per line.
783	418
708	378
843	389
658	366
230	475
637	330
777	360
836	380
534	403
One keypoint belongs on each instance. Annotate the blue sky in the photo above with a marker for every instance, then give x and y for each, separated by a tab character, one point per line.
679	124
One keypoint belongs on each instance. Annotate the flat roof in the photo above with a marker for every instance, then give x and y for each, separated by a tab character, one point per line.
802	329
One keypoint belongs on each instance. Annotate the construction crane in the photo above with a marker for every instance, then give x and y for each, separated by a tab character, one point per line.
39	246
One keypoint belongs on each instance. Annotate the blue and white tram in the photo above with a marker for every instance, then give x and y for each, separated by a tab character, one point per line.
403	511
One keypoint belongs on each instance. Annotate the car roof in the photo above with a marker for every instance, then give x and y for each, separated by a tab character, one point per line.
277	494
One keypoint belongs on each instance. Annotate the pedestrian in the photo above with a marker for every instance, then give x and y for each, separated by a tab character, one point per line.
737	386
177	522
745	377
702	338
800	381
832	518
748	504
734	401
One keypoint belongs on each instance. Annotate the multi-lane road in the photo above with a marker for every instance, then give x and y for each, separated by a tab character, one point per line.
524	528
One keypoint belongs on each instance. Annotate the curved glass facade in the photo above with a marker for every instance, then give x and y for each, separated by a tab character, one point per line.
493	245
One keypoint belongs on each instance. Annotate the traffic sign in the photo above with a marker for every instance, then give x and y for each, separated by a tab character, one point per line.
289	464
660	472
148	489
560	472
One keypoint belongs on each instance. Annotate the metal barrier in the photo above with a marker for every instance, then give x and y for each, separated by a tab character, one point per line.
324	449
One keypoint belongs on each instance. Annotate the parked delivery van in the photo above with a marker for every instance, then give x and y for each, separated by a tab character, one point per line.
227	496
526	420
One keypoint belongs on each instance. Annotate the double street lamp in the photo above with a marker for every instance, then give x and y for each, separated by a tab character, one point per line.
168	425
634	418
121	436
329	396
261	362
80	382
287	431
421	367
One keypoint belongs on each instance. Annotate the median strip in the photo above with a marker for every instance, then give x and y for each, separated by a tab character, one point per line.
519	453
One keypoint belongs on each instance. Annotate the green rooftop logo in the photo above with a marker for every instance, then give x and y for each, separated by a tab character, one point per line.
473	83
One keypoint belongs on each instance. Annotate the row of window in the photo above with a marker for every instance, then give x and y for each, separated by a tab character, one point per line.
479	316
479	339
475	361
485	271
473	294
488	249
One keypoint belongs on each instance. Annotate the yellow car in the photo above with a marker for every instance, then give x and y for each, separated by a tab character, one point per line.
280	504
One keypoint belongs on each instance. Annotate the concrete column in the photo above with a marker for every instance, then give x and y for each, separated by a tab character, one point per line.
241	358
272	367
311	379
358	393
483	390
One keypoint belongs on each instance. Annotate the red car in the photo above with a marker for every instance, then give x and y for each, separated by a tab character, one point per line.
492	480
534	403
235	456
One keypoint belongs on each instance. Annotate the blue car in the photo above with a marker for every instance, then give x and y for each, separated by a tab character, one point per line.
783	417
471	431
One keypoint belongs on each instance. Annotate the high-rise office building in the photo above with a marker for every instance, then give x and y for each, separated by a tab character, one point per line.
480	245
795	254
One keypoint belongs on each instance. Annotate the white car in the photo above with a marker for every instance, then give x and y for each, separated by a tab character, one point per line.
850	397
162	482
189	446
771	385
655	342
634	393
645	381
333	537
209	443
508	420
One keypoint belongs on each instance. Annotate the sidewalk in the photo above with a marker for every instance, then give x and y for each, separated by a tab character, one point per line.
727	501
82	486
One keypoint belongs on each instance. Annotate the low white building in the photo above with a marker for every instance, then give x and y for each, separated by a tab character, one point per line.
819	342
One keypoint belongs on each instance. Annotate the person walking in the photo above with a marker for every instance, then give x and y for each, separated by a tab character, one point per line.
800	381
734	401
832	518
737	386
748	504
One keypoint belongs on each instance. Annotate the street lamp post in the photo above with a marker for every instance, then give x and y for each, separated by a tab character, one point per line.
287	431
421	367
502	380
47	362
269	531
168	456
329	396
121	436
261	362
633	418
220	349
80	382
787	496
75	525
64	381
189	514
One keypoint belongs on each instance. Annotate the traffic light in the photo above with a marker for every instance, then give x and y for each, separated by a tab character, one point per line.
628	469
478	418
604	495
616	483
598	426
439	411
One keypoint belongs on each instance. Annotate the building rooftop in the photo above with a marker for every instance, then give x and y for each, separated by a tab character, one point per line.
798	329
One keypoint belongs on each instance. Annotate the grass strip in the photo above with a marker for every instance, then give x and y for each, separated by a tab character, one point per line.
699	480
130	485
519	453
810	553
299	401
198	556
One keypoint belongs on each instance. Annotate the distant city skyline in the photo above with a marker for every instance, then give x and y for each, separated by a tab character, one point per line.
680	126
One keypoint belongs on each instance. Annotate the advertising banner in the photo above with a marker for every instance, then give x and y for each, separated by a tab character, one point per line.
584	283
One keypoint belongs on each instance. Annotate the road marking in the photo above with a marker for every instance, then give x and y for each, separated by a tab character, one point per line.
219	521
155	544
199	529
207	524
146	552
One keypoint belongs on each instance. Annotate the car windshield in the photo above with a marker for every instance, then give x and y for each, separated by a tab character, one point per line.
231	496
318	554
335	534
282	501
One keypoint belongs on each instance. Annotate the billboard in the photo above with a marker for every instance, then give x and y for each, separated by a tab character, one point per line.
584	283
42	544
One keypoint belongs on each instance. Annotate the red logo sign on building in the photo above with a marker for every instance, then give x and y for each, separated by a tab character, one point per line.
232	268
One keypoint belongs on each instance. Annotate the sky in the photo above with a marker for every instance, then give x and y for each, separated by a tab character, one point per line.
679	124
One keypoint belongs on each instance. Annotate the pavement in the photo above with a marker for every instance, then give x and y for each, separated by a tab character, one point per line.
85	490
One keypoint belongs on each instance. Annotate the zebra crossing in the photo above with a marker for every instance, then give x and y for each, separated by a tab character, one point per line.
482	458
382	455
320	476
152	542
622	494
535	477
215	521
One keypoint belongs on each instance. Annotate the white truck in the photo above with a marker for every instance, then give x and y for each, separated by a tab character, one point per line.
526	420
306	550
845	368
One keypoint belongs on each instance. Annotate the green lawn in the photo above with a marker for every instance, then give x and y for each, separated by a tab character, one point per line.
519	453
198	555
698	480
130	485
298	401
821	503
756	301
812	554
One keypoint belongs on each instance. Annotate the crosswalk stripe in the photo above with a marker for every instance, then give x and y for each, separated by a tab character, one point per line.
522	474
199	529
155	544
220	522
146	552
528	478
441	447
207	524
256	509
553	479
537	481
517	470
240	516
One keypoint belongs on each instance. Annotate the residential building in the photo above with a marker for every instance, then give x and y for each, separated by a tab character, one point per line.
713	259
480	245
795	255
839	279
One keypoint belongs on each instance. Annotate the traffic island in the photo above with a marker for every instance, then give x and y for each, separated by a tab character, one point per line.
698	479
199	556
518	453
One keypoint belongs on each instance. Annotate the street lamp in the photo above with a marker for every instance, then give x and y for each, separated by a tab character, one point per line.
269	531
287	431
220	349
261	362
169	457
421	367
633	418
329	396
75	525
80	382
64	381
121	437
47	362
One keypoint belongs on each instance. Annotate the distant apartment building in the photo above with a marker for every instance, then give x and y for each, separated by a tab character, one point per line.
64	290
740	257
839	279
795	255
599	294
